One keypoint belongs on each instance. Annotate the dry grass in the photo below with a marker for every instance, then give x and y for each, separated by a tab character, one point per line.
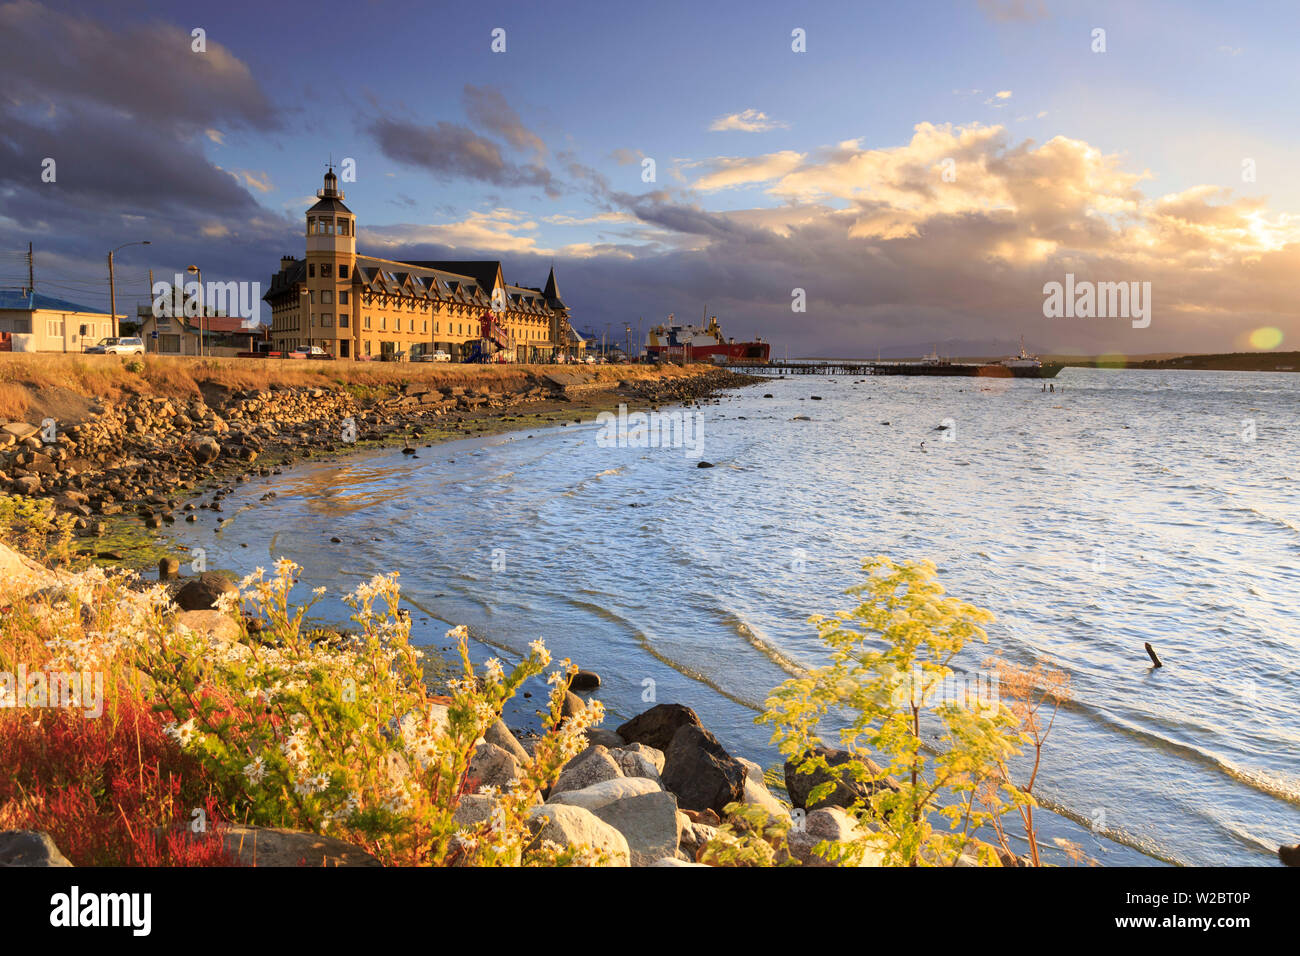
14	401
23	376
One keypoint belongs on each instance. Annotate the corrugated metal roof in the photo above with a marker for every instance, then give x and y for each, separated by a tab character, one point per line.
29	301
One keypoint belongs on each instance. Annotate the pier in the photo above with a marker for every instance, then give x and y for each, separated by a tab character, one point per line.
809	368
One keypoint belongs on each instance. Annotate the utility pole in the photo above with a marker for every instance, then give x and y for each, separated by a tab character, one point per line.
112	295
112	291
31	272
158	348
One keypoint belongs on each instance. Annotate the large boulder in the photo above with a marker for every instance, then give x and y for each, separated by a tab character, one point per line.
19	430
570	825
694	836
268	846
847	789
700	772
19	574
756	794
212	624
201	594
830	824
656	727
593	765
205	450
29	848
637	808
572	706
28	485
599	735
638	760
473	809
607	791
492	766
500	735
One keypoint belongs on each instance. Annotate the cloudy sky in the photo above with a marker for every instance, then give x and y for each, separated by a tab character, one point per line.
919	170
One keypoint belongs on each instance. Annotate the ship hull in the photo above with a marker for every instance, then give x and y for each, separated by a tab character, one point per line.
728	352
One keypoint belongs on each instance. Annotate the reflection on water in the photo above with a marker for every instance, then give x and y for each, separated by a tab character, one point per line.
1125	507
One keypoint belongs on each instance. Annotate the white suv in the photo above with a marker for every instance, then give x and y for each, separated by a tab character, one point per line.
116	346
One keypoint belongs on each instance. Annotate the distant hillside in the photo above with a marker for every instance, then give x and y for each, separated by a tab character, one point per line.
1223	362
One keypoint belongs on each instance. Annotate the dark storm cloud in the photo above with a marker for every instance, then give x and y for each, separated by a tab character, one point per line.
449	150
140	72
121	112
103	163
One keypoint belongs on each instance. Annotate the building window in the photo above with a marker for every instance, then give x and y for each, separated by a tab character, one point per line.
367	346
343	296
343	272
311	270
343	321
413	325
326	270
326	320
326	297
311	225
383	322
311	296
365	322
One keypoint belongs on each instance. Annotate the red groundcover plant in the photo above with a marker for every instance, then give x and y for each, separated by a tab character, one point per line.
110	791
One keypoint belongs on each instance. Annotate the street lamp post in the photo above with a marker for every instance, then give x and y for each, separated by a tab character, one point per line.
112	286
305	302
202	308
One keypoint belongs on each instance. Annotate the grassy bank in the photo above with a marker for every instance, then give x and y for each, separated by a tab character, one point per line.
39	385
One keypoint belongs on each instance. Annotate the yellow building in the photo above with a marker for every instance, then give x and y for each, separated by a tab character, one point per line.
363	307
33	322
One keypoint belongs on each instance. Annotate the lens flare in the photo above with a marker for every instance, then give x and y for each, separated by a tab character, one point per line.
1265	338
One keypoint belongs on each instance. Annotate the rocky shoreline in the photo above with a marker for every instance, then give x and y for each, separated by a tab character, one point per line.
654	792
137	465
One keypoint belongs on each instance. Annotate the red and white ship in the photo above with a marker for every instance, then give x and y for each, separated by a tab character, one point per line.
672	341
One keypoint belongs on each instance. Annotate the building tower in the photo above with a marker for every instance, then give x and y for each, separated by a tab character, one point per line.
331	260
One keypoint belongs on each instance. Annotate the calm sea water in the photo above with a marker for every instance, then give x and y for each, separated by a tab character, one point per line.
1128	506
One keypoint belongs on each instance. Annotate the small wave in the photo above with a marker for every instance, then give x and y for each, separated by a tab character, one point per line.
1265	517
1276	785
741	627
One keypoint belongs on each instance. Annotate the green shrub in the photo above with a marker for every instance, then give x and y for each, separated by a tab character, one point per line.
33	526
889	655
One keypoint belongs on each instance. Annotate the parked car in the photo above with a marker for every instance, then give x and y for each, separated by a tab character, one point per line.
117	346
438	355
310	352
